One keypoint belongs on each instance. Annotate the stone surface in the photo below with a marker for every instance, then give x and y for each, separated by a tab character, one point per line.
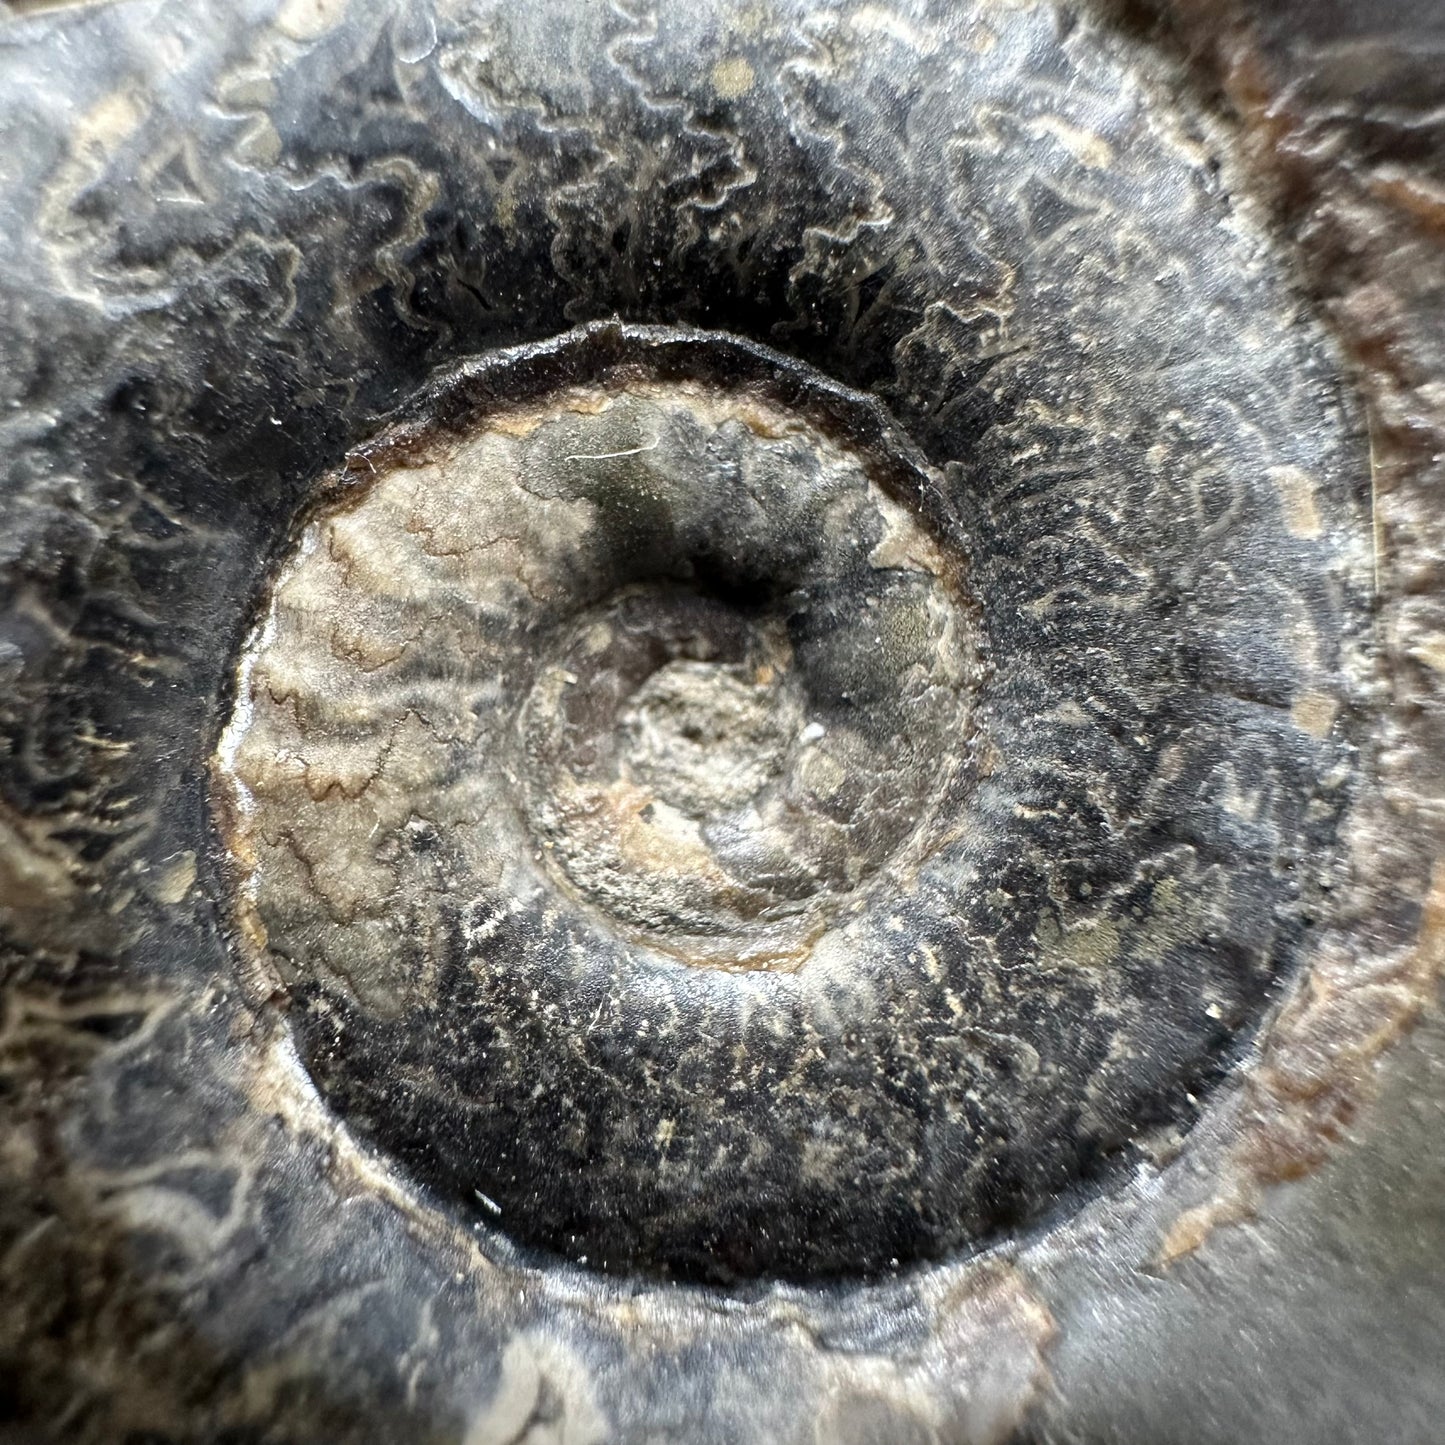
1103	346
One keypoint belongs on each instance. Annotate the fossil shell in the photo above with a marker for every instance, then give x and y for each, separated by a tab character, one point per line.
713	721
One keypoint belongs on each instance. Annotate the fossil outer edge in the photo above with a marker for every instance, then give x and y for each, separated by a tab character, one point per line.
240	243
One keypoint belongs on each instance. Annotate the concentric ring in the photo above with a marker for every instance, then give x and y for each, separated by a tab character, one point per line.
614	809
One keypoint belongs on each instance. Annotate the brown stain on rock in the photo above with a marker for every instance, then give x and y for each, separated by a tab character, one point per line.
1369	238
1317	1072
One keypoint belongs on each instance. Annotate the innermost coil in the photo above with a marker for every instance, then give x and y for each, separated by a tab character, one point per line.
756	686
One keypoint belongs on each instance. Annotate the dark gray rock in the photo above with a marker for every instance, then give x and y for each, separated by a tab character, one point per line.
718	724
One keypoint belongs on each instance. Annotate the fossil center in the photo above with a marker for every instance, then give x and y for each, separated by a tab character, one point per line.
703	737
712	787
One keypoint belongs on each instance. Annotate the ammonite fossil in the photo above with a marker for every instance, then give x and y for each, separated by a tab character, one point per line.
719	723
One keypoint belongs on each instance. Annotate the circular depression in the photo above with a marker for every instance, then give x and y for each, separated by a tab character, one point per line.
619	797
